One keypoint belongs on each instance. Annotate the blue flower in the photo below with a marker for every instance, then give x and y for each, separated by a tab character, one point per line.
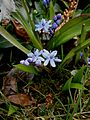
43	26
35	57
24	62
54	25
50	57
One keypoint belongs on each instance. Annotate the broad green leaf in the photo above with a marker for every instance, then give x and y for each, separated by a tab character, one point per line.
77	86
30	68
28	29
12	40
12	109
69	30
67	85
69	56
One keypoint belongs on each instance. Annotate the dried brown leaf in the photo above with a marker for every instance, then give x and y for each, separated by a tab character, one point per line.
9	85
21	99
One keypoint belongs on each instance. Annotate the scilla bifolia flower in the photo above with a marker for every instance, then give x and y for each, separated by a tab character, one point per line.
50	57
43	26
42	57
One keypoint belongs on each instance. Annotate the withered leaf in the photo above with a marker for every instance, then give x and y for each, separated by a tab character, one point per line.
21	99
9	85
20	30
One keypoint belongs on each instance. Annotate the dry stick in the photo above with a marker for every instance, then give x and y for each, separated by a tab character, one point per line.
68	13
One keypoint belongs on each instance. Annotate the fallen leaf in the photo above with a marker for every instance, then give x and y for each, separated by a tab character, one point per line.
20	30
9	85
21	99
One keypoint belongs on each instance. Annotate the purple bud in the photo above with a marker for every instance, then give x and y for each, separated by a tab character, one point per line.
55	18
58	22
54	25
51	31
45	2
59	16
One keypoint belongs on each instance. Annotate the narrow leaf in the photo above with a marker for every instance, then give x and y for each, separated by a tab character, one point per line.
77	86
51	9
28	29
78	76
12	40
74	51
67	85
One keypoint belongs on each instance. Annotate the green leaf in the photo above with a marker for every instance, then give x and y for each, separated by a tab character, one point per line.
80	47
70	30
4	43
67	85
79	75
30	68
12	109
51	9
28	29
77	86
12	40
83	34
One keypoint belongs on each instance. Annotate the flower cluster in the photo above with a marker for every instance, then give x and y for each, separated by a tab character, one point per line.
41	57
46	2
45	27
57	19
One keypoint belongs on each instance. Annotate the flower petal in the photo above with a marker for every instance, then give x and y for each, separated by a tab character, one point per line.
52	63
30	54
57	59
46	62
54	53
22	61
26	62
41	59
45	53
38	62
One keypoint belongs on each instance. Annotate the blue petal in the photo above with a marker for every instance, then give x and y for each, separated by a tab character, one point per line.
26	62
45	54
30	54
53	54
41	59
52	63
22	61
57	60
38	62
46	62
